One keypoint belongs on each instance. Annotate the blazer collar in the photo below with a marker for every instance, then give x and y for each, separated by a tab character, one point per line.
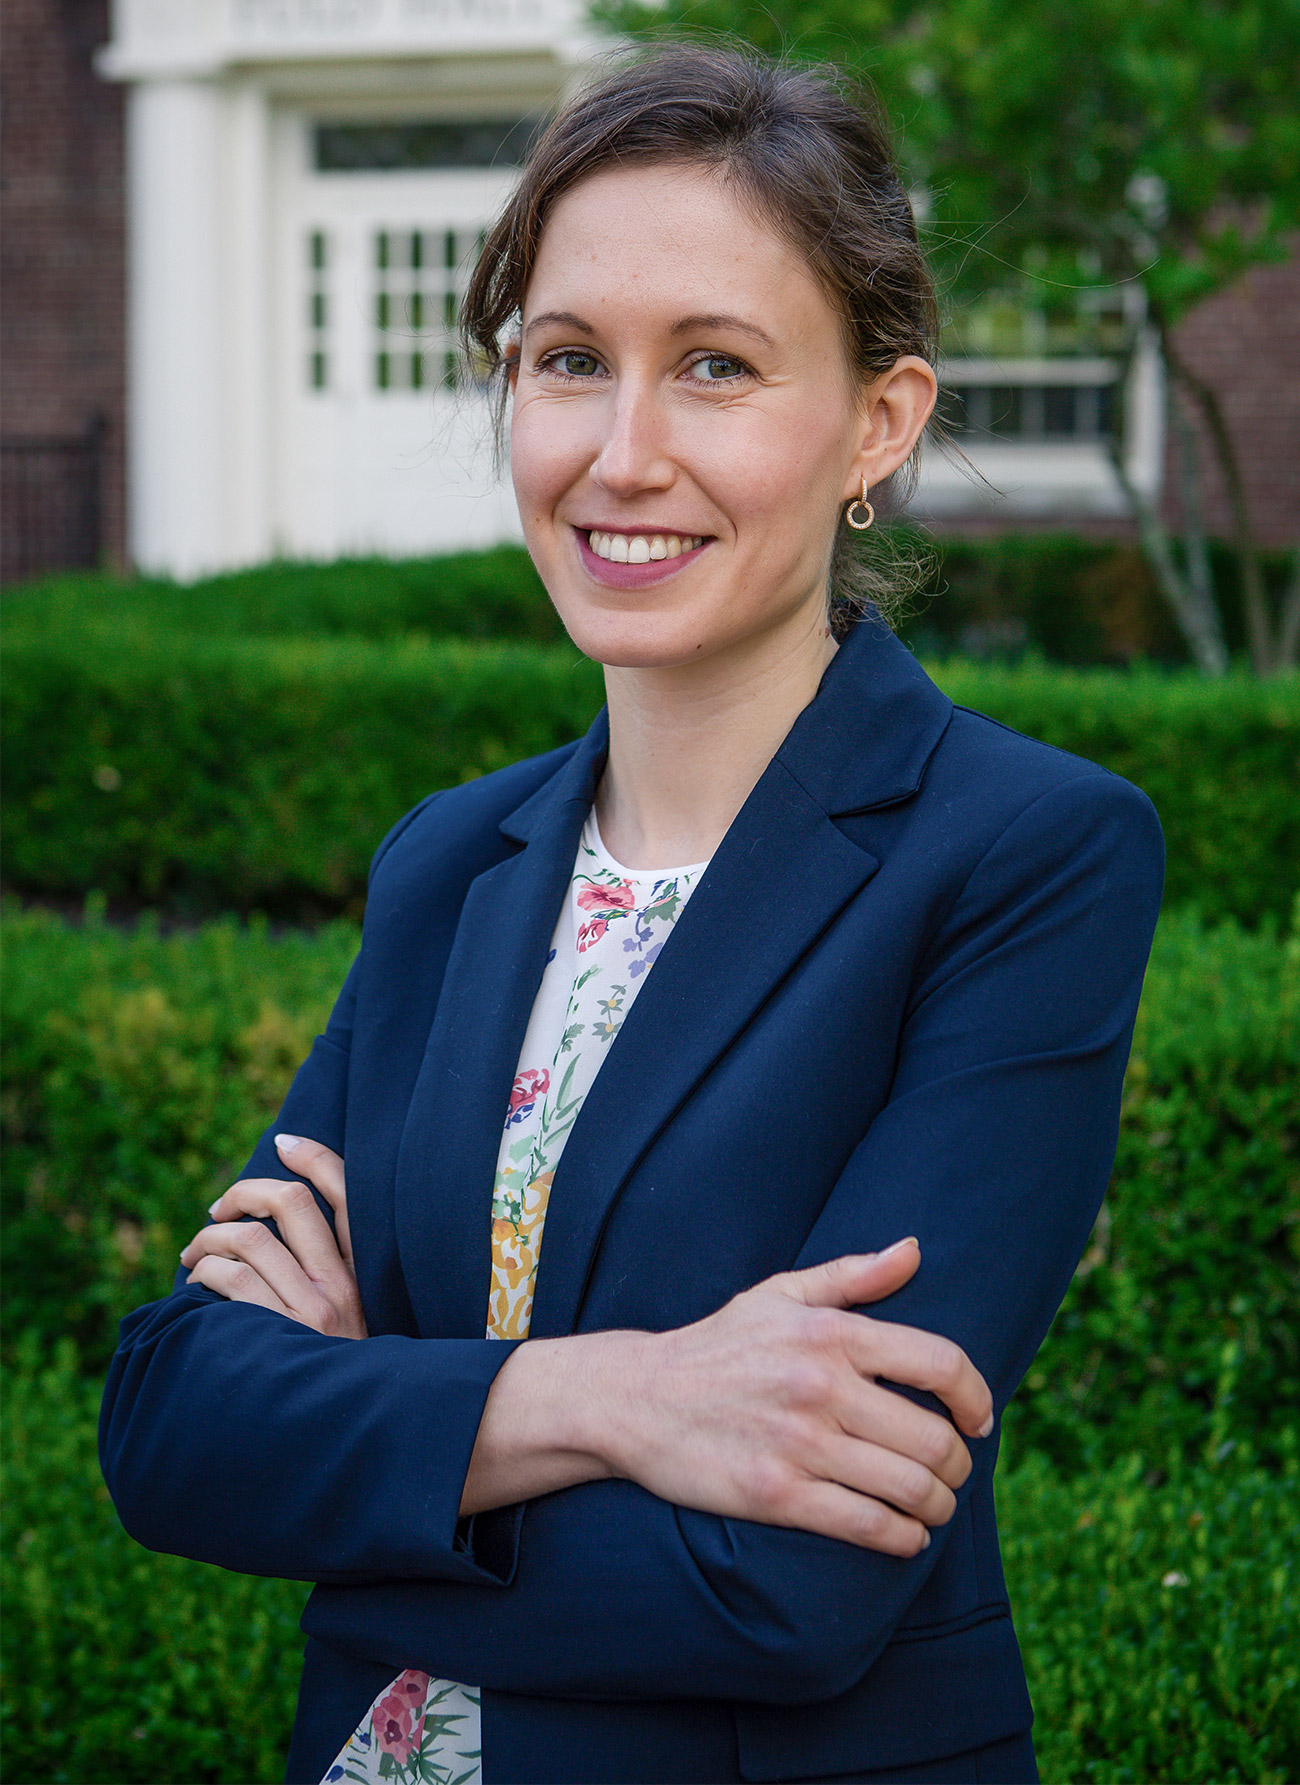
865	739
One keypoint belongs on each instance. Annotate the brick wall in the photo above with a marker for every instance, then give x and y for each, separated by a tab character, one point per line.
1245	343
62	250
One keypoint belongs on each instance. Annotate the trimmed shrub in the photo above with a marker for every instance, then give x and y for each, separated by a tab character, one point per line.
1159	1620
488	595
119	1664
139	1071
141	1067
1158	1625
1080	601
255	773
211	773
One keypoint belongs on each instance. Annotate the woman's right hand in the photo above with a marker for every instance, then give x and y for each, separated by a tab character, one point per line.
772	1409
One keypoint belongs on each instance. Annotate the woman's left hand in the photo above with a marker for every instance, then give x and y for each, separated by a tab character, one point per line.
306	1273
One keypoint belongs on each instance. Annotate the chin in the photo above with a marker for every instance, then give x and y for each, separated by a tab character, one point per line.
628	643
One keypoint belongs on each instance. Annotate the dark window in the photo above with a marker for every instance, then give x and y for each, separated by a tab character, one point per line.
1005	407
390	148
1030	411
1060	410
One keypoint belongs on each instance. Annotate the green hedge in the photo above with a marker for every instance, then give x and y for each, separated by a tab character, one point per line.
1158	1625
243	773
212	773
141	1067
487	595
1075	600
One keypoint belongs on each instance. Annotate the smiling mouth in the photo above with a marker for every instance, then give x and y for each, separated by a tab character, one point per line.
641	548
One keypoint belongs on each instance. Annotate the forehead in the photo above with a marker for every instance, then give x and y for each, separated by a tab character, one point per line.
661	240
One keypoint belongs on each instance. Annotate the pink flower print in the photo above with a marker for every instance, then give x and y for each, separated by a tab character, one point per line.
396	1729
591	931
607	898
527	1088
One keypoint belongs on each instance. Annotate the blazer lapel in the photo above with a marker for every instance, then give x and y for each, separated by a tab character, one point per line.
782	874
447	1162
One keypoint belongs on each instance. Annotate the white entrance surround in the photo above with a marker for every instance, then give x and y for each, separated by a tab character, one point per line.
306	183
258	424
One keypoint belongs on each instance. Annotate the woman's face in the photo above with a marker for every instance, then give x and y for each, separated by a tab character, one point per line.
686	425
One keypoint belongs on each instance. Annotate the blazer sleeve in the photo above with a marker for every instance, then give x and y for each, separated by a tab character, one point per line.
995	1148
232	1435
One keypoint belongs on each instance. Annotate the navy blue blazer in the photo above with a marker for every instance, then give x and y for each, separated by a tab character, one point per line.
900	1001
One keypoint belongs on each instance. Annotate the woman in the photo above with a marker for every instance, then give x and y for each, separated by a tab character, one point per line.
872	964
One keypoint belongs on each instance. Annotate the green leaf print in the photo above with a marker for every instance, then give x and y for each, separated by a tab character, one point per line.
664	907
569	1036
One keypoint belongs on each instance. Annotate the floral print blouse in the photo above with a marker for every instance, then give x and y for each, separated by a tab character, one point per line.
613	923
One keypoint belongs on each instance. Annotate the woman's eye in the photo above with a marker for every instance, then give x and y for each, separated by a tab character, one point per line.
575	364
716	368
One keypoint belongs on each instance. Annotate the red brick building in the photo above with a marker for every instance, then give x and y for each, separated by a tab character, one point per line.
62	265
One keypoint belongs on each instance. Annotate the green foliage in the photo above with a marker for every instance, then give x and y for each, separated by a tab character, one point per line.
123	1665
204	773
485	595
1096	142
119	1664
209	773
1159	1620
140	1068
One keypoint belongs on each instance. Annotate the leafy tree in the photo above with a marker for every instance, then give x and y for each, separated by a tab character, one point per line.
1068	144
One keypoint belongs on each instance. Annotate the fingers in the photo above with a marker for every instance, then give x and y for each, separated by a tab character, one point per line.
237	1281
885	1475
880	1348
884	1348
830	1510
881	1417
248	1256
303	1270
303	1229
858	1277
312	1160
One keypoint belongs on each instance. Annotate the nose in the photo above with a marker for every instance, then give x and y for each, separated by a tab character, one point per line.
633	455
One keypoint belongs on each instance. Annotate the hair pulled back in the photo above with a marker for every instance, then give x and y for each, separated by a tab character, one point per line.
808	149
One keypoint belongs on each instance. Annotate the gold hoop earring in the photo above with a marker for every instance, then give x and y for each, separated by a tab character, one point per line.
860	502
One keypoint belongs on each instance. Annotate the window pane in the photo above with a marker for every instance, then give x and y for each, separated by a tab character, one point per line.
1060	409
1004	409
378	148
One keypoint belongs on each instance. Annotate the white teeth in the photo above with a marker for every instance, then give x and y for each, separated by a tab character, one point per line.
642	548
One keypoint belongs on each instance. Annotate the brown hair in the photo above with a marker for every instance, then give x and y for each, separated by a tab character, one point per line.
809	149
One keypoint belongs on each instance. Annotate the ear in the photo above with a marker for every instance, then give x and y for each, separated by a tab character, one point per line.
895	408
510	360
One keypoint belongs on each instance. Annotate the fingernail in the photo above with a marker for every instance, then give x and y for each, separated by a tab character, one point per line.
898	1245
926	1543
213	1207
287	1142
987	1427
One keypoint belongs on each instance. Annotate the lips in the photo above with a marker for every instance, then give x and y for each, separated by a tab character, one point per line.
615	573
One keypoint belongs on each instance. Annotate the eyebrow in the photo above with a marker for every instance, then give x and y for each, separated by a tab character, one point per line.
687	325
722	319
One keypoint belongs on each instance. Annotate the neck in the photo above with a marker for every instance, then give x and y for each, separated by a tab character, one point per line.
688	743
